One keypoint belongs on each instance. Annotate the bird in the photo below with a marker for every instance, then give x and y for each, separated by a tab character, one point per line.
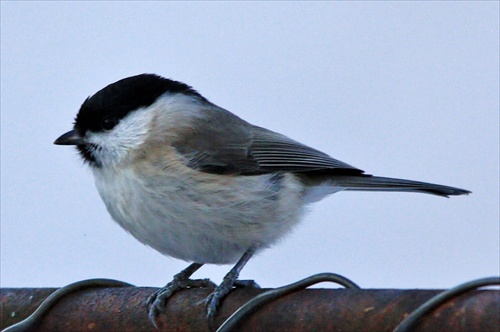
198	183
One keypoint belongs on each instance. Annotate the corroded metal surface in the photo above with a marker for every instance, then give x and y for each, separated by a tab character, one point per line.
123	309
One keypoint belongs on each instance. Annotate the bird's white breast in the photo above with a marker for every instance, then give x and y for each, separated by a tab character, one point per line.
200	217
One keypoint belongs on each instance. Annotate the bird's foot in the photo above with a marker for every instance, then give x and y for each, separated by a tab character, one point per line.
213	300
157	302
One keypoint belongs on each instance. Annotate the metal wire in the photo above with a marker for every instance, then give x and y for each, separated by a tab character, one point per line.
416	316
408	324
271	295
33	320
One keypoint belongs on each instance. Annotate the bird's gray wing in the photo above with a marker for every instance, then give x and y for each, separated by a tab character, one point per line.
276	152
222	143
217	141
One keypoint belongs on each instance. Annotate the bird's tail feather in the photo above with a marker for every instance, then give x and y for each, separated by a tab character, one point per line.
378	183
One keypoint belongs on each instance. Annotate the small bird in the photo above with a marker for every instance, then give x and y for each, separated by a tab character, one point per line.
196	182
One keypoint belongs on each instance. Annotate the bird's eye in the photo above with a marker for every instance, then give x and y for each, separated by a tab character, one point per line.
108	123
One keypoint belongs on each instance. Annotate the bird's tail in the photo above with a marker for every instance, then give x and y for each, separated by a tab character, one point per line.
377	183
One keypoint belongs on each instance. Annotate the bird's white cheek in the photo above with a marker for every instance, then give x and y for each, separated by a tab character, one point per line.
112	147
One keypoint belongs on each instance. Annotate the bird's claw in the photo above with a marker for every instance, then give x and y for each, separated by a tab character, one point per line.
157	302
213	300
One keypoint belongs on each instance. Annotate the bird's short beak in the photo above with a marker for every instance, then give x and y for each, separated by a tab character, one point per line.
72	137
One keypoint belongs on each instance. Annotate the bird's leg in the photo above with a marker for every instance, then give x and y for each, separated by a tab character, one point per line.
227	284
157	302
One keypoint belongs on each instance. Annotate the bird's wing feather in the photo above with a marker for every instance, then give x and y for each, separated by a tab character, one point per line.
222	143
217	142
276	152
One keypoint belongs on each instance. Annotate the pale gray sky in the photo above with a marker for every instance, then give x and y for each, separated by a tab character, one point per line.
401	89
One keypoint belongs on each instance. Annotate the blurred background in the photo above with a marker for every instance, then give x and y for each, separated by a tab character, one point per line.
400	89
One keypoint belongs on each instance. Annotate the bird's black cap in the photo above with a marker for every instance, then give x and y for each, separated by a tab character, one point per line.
107	107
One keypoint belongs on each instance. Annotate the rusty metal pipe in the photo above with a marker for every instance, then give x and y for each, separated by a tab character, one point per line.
123	309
